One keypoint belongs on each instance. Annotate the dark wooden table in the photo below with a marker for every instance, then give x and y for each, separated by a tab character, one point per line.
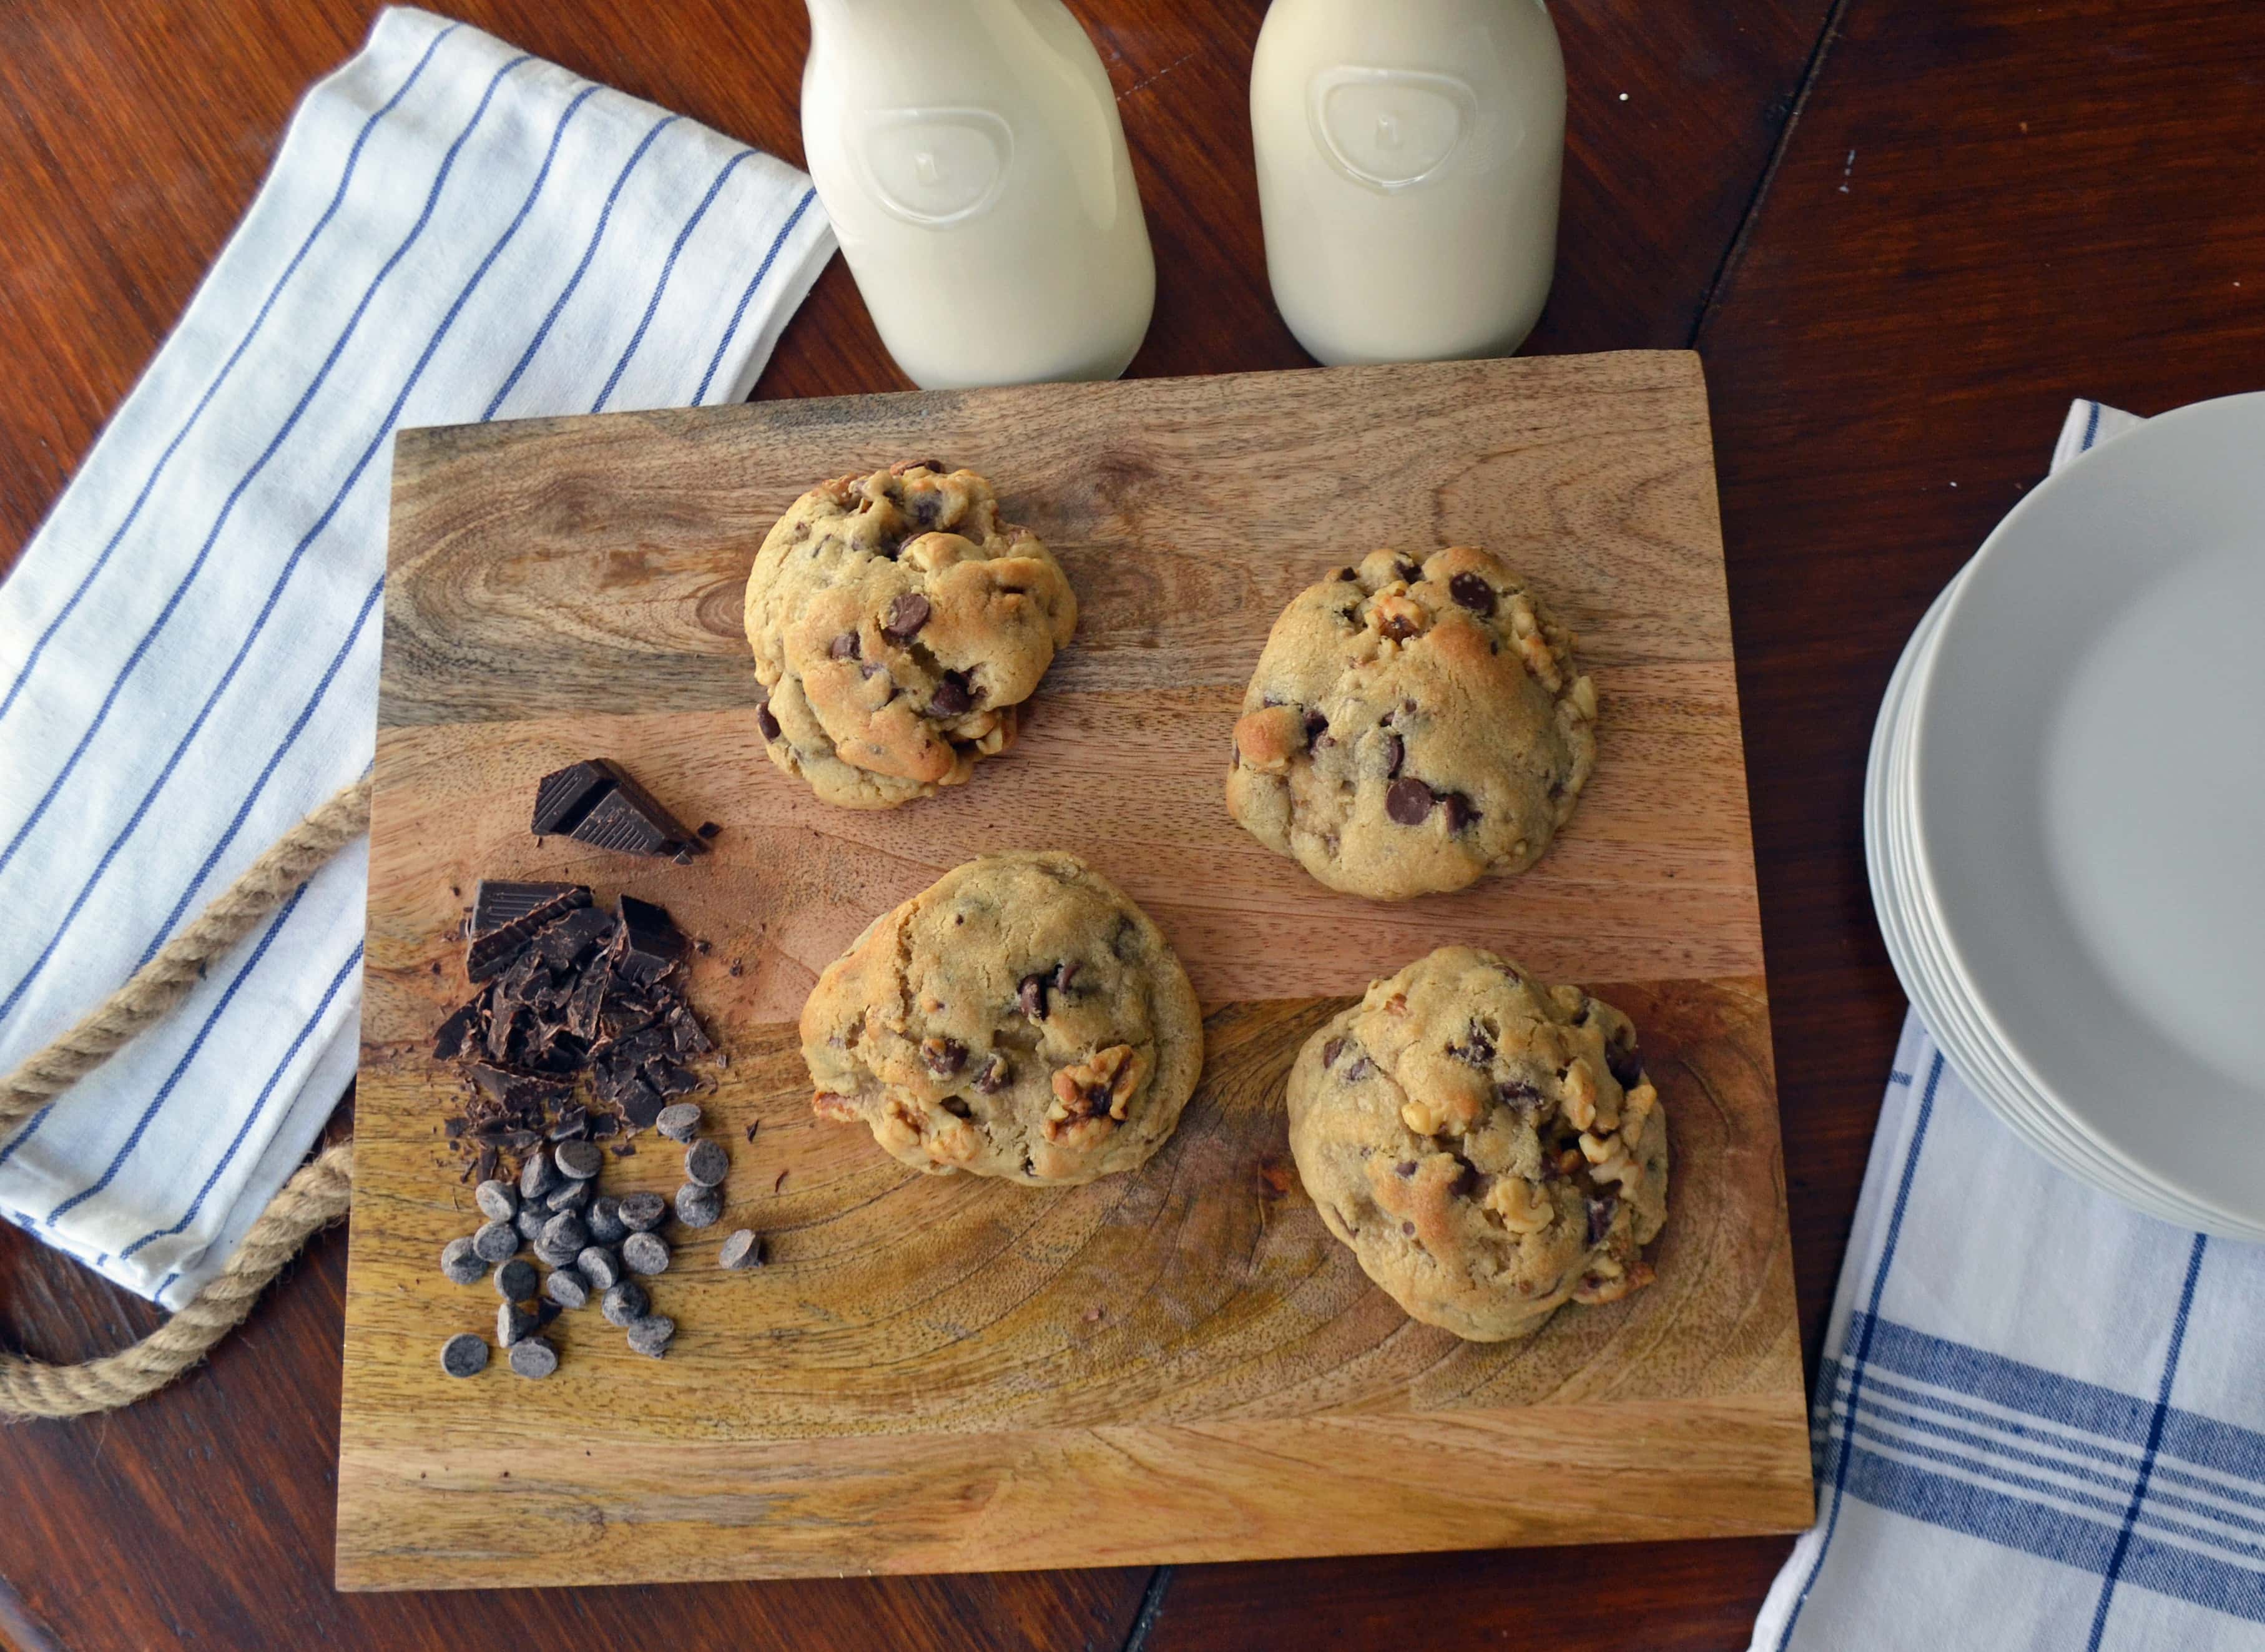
1902	232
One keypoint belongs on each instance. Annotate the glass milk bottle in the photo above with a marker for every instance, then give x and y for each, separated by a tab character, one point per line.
969	155
1408	153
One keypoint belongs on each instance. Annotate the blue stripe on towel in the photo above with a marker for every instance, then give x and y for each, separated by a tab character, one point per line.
259	320
739	310
196	566
668	268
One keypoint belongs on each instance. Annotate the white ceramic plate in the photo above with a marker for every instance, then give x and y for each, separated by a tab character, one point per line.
2088	753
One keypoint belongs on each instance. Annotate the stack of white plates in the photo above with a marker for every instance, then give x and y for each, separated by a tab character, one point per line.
2064	819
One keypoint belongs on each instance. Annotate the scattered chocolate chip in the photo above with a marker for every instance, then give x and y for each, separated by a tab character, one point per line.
997	1070
741	1250
1477	1046
1031	996
906	615
707	1164
943	1057
529	1222
1316	726
1600	1216
496	1241
571	1195
680	1122
645	1252
459	1264
463	1355
624	1302
599	1267
537	1175
603	1219
1408	801
580	1159
558	1254
567	1288
498	1201
1404	1169
533	1357
845	646
1472	593
650	1334
1395	752
642	1212
698	1205
765	722
513	1321
1408	1227
953	696
564	1232
516	1280
1626	1066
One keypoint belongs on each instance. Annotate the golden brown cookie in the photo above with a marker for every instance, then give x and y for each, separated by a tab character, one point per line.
1488	1147
898	628
1412	726
1020	1017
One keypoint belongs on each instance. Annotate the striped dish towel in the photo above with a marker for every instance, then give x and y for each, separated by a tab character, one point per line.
2040	1418
453	232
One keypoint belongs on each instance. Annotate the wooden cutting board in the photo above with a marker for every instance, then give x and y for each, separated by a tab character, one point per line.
942	1373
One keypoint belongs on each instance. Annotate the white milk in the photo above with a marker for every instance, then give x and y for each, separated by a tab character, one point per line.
1408	153
969	155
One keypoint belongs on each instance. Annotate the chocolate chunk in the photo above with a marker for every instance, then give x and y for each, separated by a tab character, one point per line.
1317	725
1348	574
566	943
943	1057
567	1288
906	615
1361	1069
516	1280
997	1070
642	1212
669	1079
1477	1046
498	1201
1459	812
603	1219
1331	1051
599	1266
513	1322
709	828
1030	995
1472	593
641	1104
460	1032
1408	801
845	646
497	1241
459	1264
599	803
1600	1216
645	1252
506	916
650	1334
624	1302
679	1123
1395	752
707	1164
463	1355
565	795
953	696
1406	572
698	1205
649	945
765	721
580	1160
533	1357
1625	1065
741	1250
684	1029
1519	1093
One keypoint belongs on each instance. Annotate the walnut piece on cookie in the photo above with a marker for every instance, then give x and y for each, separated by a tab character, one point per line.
1489	1147
898	628
1412	724
1020	1017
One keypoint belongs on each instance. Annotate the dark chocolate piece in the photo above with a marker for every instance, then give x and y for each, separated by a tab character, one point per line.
459	1263
742	1249
624	1302
533	1357
506	916
599	803
650	1334
463	1355
649	945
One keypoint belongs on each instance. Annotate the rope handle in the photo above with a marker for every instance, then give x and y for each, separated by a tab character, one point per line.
317	1194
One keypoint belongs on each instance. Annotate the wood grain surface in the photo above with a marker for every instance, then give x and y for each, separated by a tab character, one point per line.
1175	1364
1873	331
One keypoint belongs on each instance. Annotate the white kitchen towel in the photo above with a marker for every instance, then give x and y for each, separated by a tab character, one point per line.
453	232
2040	1417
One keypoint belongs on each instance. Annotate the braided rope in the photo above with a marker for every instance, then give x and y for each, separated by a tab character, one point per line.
316	1195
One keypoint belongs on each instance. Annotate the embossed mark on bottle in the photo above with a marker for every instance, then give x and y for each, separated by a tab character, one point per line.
1391	128
933	167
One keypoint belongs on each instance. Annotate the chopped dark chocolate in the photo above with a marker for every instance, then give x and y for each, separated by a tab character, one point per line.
460	1030
599	803
506	916
649	945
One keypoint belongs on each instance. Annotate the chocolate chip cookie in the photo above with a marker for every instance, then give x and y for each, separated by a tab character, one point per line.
898	627
1488	1147
1020	1017
1412	724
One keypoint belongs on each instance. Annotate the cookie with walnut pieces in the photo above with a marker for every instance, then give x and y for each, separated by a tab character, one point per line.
899	626
1488	1147
1020	1017
1413	725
